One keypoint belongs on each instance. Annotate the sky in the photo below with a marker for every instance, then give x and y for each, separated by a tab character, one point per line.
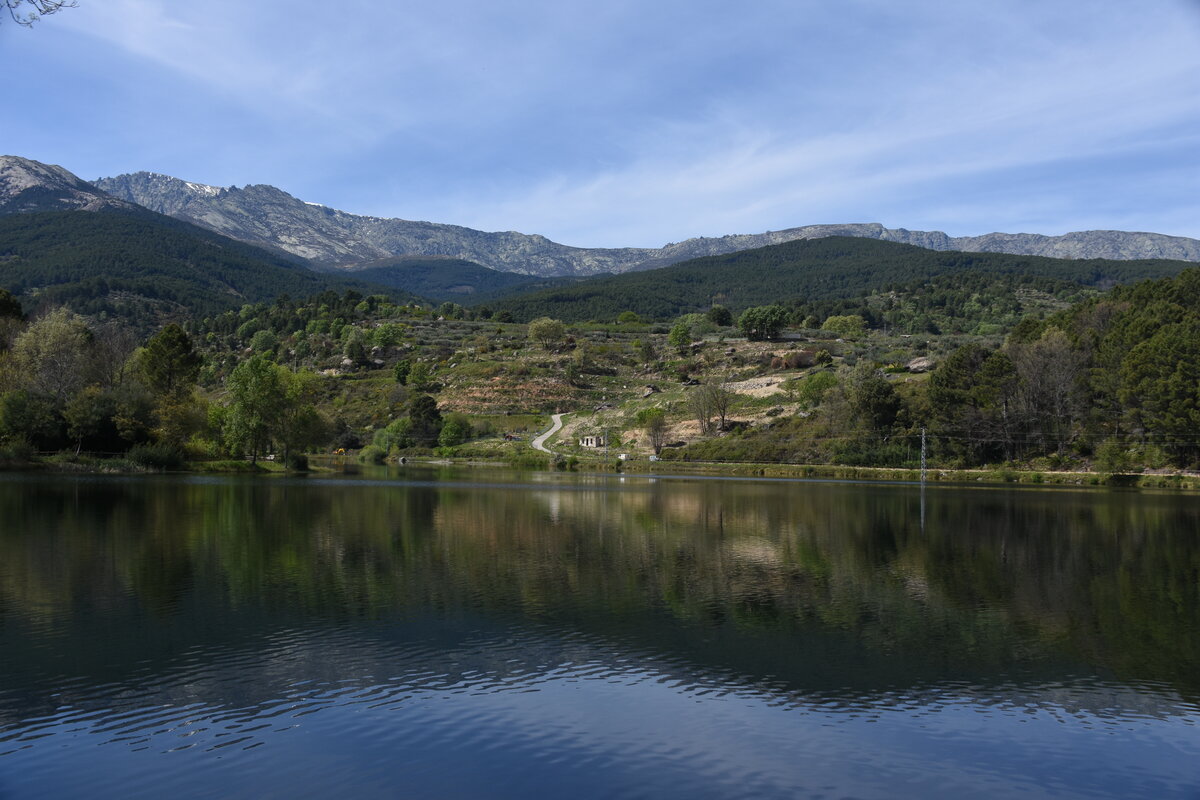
614	123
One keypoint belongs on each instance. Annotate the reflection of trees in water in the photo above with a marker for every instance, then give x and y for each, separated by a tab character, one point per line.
995	579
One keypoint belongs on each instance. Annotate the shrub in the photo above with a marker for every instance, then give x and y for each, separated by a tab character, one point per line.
372	455
157	455
18	449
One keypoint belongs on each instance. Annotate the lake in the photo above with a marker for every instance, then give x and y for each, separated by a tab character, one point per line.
445	634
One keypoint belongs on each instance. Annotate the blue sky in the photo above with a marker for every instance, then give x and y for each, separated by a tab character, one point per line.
616	123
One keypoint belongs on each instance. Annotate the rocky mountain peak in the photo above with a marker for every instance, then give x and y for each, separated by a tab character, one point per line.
28	186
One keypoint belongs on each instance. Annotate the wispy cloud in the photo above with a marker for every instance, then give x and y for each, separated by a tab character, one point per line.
633	123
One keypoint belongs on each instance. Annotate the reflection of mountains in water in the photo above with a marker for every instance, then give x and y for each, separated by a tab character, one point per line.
798	590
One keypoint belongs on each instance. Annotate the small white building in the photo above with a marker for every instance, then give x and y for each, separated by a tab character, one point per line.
592	440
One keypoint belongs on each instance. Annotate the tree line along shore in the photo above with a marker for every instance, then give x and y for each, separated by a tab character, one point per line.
1007	377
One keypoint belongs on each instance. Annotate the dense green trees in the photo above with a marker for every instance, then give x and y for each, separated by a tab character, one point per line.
763	322
142	267
1160	388
271	405
829	272
972	398
70	382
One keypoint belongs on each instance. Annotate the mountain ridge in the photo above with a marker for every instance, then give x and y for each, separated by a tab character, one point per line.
339	238
325	237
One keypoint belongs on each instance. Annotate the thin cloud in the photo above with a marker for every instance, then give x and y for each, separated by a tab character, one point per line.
627	123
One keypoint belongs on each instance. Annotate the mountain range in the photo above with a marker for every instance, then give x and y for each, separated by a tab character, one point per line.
270	217
454	262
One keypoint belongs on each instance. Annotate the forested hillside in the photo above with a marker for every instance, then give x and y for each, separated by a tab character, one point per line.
1112	382
1004	371
809	270
451	279
141	265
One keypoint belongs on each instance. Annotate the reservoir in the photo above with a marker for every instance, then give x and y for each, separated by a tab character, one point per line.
458	634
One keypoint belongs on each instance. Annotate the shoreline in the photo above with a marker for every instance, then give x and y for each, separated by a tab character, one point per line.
997	476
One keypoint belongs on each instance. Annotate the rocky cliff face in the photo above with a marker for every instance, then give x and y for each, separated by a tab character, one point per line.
267	216
28	186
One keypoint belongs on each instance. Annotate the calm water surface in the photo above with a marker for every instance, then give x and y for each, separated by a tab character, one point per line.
455	634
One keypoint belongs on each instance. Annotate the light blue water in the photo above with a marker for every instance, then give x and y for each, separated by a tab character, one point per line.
593	637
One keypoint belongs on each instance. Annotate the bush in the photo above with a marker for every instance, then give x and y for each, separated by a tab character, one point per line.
372	455
18	449
157	455
297	462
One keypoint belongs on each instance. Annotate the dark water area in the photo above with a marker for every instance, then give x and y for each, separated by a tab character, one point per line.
489	634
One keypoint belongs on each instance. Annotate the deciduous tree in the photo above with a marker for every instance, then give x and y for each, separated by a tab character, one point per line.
257	391
547	332
654	422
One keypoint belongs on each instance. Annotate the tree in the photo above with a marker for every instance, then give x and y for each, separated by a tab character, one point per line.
401	371
547	332
257	389
28	416
719	400
810	390
973	404
354	344
455	430
169	364
53	354
395	435
27	12
762	322
847	326
680	336
1051	375
426	420
628	318
112	345
872	398
702	401
85	413
298	425
264	341
720	316
654	422
420	377
1160	383
10	307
